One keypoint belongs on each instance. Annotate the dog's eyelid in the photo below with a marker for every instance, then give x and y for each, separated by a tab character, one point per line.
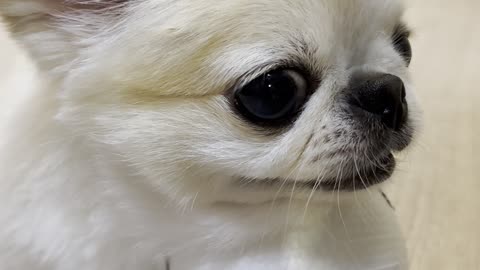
95	6
278	65
402	30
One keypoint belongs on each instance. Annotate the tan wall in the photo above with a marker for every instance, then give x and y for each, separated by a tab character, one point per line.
437	192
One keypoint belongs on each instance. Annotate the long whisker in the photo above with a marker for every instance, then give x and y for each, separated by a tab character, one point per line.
358	172
289	207
349	238
269	214
272	204
357	201
310	196
339	179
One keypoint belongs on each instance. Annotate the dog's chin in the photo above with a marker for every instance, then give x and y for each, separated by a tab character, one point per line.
349	179
363	178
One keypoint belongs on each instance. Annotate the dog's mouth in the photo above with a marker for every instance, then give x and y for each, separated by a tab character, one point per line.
360	178
363	178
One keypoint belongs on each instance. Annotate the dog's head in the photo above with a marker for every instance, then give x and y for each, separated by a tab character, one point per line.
237	100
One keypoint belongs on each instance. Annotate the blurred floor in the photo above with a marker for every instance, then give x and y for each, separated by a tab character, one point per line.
436	191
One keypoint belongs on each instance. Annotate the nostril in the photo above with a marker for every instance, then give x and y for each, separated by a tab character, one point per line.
383	95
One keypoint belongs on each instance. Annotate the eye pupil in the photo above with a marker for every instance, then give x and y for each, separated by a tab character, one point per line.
273	97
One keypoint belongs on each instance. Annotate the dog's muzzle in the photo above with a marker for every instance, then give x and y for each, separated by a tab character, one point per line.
381	96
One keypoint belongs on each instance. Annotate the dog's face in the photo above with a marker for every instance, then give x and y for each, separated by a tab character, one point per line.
238	100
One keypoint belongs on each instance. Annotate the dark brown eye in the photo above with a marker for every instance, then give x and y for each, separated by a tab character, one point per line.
273	98
401	43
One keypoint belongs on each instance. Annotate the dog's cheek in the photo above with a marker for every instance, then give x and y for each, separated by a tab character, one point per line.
179	135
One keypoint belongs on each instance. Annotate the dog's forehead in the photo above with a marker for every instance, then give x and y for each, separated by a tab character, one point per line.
232	15
320	23
294	13
224	40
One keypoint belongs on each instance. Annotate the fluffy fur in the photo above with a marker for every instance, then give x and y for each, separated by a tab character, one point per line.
125	153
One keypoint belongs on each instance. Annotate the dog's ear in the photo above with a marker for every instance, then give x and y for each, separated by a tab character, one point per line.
55	31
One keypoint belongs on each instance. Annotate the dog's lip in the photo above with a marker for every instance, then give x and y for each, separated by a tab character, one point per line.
370	176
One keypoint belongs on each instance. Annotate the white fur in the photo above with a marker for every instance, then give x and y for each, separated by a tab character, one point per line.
123	154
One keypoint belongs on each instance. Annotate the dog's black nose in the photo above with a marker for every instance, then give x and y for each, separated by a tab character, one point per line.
382	95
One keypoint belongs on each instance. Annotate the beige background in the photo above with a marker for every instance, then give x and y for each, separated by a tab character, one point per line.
436	190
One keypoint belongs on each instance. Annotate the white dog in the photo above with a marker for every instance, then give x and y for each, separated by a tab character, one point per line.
205	134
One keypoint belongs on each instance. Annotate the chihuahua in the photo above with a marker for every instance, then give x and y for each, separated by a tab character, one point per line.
205	135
